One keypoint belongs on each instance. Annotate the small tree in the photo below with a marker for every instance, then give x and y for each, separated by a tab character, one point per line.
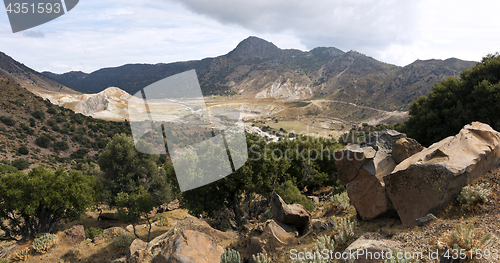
131	207
35	202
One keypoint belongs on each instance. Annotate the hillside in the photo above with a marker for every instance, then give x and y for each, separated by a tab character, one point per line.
34	129
259	69
29	78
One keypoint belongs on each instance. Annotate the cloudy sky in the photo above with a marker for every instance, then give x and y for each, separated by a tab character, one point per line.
98	34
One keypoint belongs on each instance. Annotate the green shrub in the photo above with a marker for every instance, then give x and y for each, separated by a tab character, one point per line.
291	195
123	240
345	229
230	256
39	114
161	221
75	252
44	243
21	163
4	260
474	194
261	258
8	120
23	150
92	232
22	255
464	237
61	146
268	214
43	141
341	200
52	110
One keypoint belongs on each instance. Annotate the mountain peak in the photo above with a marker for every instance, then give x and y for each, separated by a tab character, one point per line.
254	47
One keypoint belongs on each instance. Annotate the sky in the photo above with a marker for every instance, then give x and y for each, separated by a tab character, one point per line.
98	34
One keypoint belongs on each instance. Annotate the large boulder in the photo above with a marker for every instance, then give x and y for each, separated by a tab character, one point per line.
350	160
76	234
365	250
295	214
190	246
430	179
137	251
362	171
158	244
404	148
277	234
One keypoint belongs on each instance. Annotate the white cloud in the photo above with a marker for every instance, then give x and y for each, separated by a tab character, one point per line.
97	34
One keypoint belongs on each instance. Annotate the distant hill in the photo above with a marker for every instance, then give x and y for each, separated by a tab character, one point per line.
28	78
33	129
258	68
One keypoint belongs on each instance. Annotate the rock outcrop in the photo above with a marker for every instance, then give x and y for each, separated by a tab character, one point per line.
404	148
158	244
433	177
295	214
424	180
362	169
367	250
190	246
76	234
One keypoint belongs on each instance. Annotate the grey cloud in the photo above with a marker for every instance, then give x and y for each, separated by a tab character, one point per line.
34	34
346	24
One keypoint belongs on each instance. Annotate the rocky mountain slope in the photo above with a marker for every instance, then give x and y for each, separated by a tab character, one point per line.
259	69
29	78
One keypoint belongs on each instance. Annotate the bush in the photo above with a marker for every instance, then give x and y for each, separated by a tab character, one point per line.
23	150
261	258
8	120
23	254
44	243
37	201
52	110
61	146
20	163
291	195
43	141
341	200
123	241
39	114
471	195
161	221
92	232
230	256
345	229
465	238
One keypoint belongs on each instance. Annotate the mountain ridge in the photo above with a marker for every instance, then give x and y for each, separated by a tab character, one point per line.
256	67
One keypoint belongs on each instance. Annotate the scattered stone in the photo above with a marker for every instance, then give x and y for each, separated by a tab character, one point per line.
120	260
404	148
295	214
113	232
98	239
76	234
430	179
425	219
314	200
173	205
317	224
190	247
